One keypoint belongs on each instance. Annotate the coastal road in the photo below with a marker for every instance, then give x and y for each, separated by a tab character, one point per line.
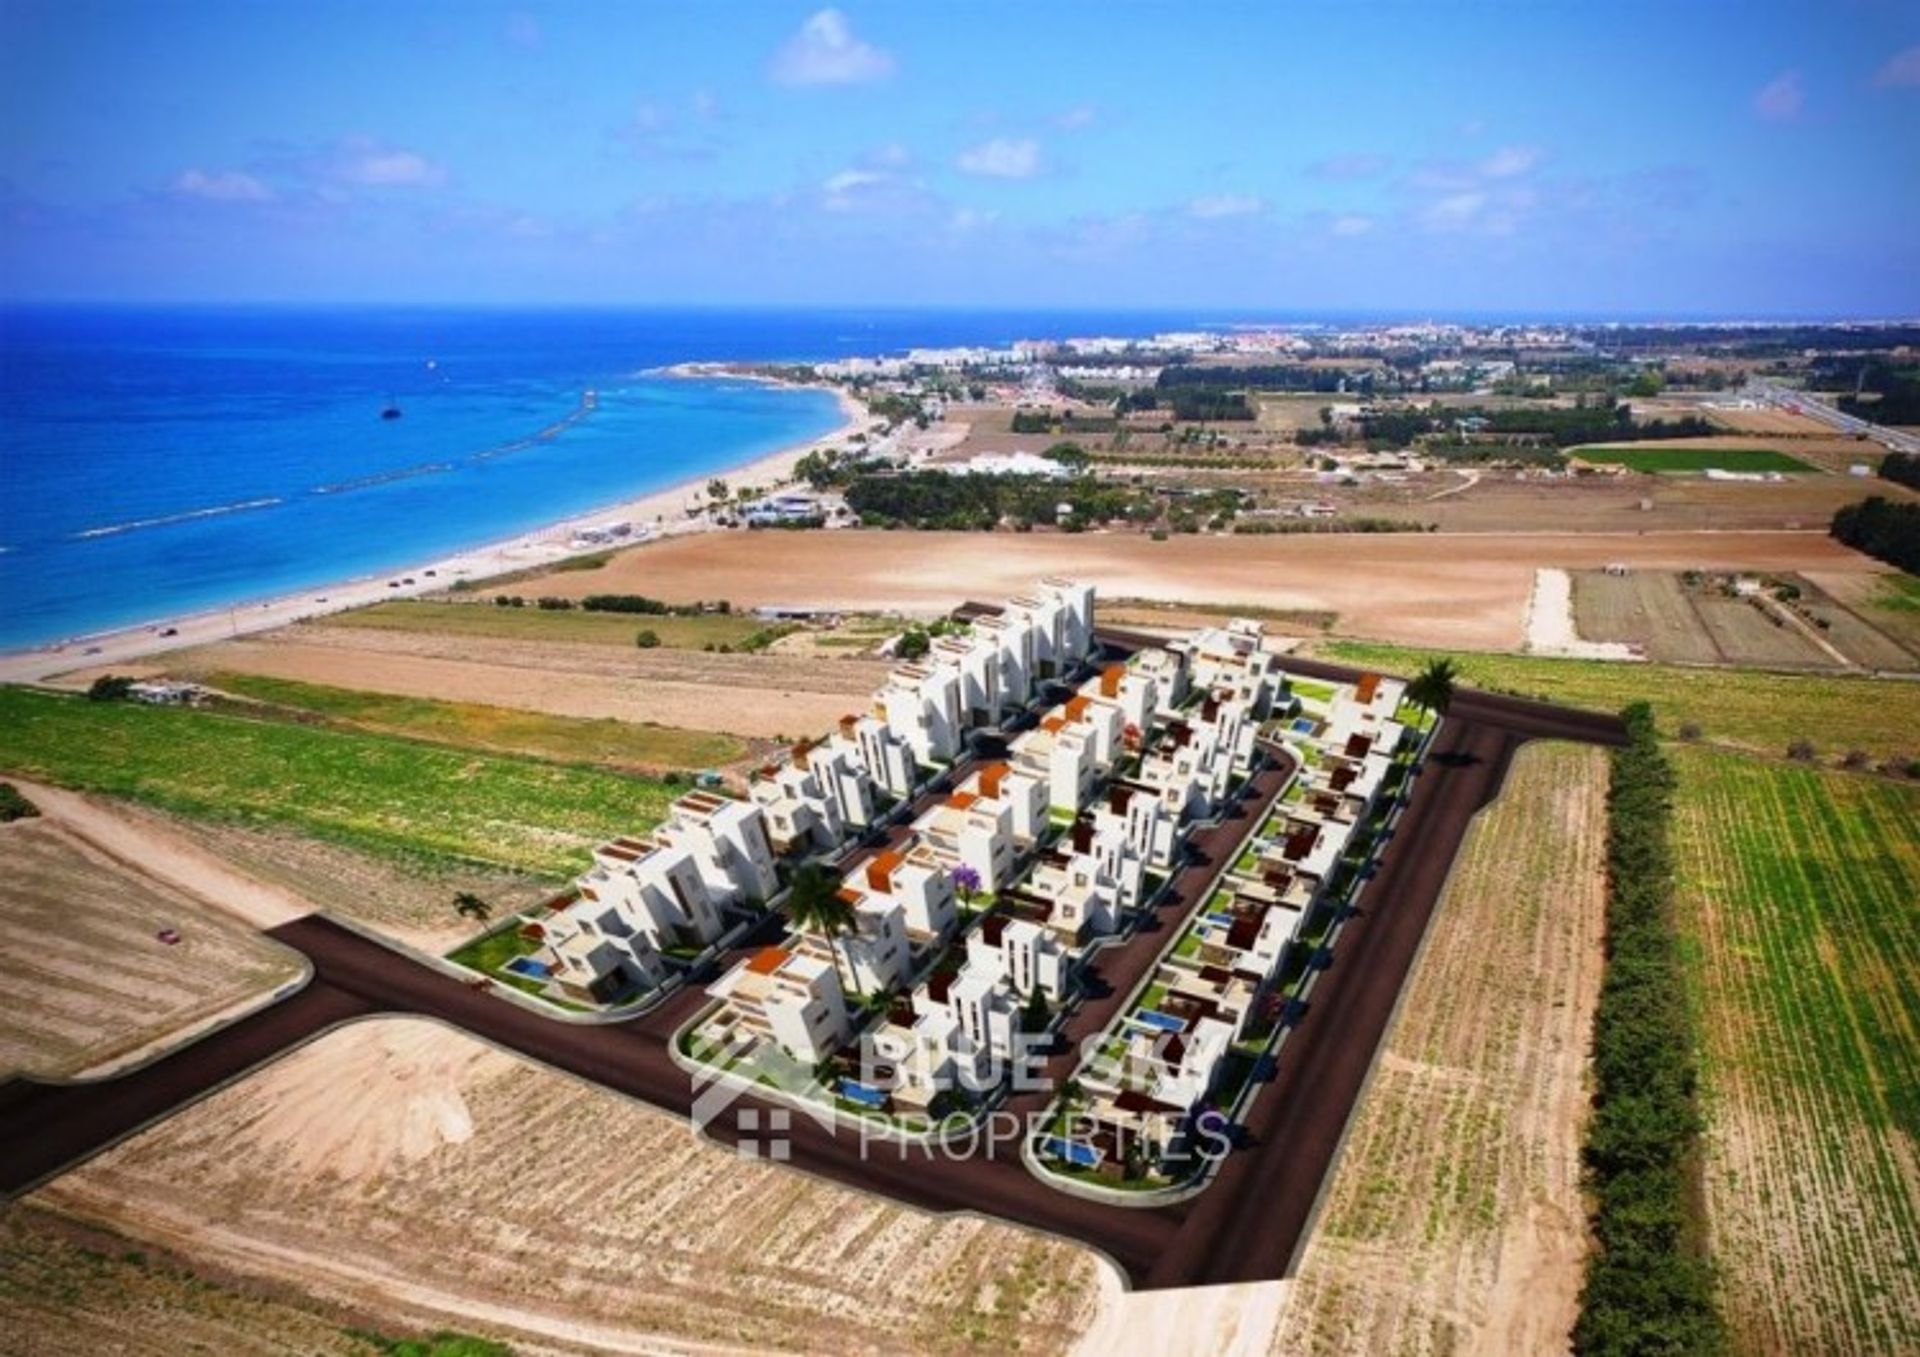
1248	1225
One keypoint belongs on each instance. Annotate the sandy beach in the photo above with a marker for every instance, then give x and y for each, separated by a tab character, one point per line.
669	512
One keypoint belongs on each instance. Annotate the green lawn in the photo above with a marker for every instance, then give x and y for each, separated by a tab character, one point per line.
1740	707
535	624
569	739
1798	897
1673	461
1899	593
400	798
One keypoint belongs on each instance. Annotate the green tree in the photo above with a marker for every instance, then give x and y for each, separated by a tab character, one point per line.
470	906
717	490
110	688
913	644
647	639
1037	1012
814	905
1432	689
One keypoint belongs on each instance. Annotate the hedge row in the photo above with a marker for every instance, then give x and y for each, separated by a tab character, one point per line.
1648	1287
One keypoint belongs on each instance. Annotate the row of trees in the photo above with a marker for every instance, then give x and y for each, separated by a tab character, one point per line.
651	607
934	499
1902	468
1648	1287
1883	529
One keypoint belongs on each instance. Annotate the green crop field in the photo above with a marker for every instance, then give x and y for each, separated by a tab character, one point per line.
377	792
1744	708
539	624
623	744
1676	461
1799	899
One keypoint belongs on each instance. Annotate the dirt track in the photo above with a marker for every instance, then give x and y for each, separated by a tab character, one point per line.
1246	1227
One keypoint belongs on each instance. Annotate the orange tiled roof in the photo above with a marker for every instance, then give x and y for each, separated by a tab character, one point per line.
767	960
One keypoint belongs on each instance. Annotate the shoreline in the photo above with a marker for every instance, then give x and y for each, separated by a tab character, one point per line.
654	514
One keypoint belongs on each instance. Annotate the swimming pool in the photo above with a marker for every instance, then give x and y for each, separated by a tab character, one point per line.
1085	1156
1304	724
865	1094
527	966
1165	1022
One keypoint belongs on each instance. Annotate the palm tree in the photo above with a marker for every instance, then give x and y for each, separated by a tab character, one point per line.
814	905
1432	690
470	906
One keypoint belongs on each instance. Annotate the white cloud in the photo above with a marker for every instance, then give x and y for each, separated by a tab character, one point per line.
971	219
1781	98
1077	118
1353	224
373	166
1218	205
220	186
1509	161
826	52
1454	211
850	181
1002	158
1902	68
893	156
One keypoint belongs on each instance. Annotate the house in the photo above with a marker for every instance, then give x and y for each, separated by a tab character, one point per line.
1011	644
1133	692
729	844
1145	821
814	800
1086	889
1062	753
1234	658
972	831
789	995
880	750
598	958
656	888
1024	796
922	703
976	660
874	951
914	879
1022	954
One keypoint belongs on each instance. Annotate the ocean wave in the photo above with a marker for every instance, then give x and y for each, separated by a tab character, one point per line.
135	525
382	478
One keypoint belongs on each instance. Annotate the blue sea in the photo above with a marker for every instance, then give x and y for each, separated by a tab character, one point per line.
158	462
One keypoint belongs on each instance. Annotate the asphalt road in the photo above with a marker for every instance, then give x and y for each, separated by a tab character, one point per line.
1248	1225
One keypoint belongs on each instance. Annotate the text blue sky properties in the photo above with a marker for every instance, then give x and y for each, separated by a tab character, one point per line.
1692	158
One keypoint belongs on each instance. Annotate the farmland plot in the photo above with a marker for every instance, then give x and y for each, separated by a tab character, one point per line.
1454	1220
1739	708
1800	893
399	1167
1646	608
1745	633
89	978
1864	618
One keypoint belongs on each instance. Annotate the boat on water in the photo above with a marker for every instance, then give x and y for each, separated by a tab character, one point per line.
392	409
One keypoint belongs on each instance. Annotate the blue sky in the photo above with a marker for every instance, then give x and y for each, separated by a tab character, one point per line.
1690	158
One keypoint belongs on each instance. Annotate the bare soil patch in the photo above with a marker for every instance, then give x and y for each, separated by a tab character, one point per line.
1646	608
1454	1222
408	1170
89	979
1421	589
761	695
411	902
